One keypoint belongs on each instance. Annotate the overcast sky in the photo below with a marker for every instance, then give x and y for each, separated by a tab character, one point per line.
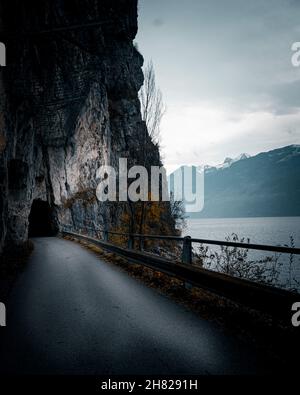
225	71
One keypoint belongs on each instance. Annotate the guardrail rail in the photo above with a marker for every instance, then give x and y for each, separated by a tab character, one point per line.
276	301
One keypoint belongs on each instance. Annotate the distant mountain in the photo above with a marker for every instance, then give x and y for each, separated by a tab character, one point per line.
267	184
227	162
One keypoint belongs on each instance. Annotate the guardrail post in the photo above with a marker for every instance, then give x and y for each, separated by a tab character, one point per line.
187	257
105	235
187	250
130	242
141	244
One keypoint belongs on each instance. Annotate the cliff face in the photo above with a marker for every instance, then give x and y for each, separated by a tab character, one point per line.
69	103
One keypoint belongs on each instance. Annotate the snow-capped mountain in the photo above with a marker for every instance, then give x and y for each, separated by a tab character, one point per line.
267	184
227	162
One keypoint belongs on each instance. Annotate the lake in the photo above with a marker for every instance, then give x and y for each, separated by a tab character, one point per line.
269	230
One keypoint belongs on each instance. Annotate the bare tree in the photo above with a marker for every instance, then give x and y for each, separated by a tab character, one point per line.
152	106
152	111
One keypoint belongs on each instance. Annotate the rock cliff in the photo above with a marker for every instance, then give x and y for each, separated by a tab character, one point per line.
68	104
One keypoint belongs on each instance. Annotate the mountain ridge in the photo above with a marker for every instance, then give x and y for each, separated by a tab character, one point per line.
263	185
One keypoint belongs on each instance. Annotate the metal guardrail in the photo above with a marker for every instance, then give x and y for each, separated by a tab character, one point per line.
250	246
187	250
273	300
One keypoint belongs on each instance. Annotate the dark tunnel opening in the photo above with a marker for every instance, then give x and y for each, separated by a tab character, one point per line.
41	221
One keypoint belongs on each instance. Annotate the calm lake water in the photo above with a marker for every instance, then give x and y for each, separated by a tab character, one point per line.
270	230
273	231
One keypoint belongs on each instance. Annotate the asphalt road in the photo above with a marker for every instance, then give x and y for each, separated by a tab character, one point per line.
71	313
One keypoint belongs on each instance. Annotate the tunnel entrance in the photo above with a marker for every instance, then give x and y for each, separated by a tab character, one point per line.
41	222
